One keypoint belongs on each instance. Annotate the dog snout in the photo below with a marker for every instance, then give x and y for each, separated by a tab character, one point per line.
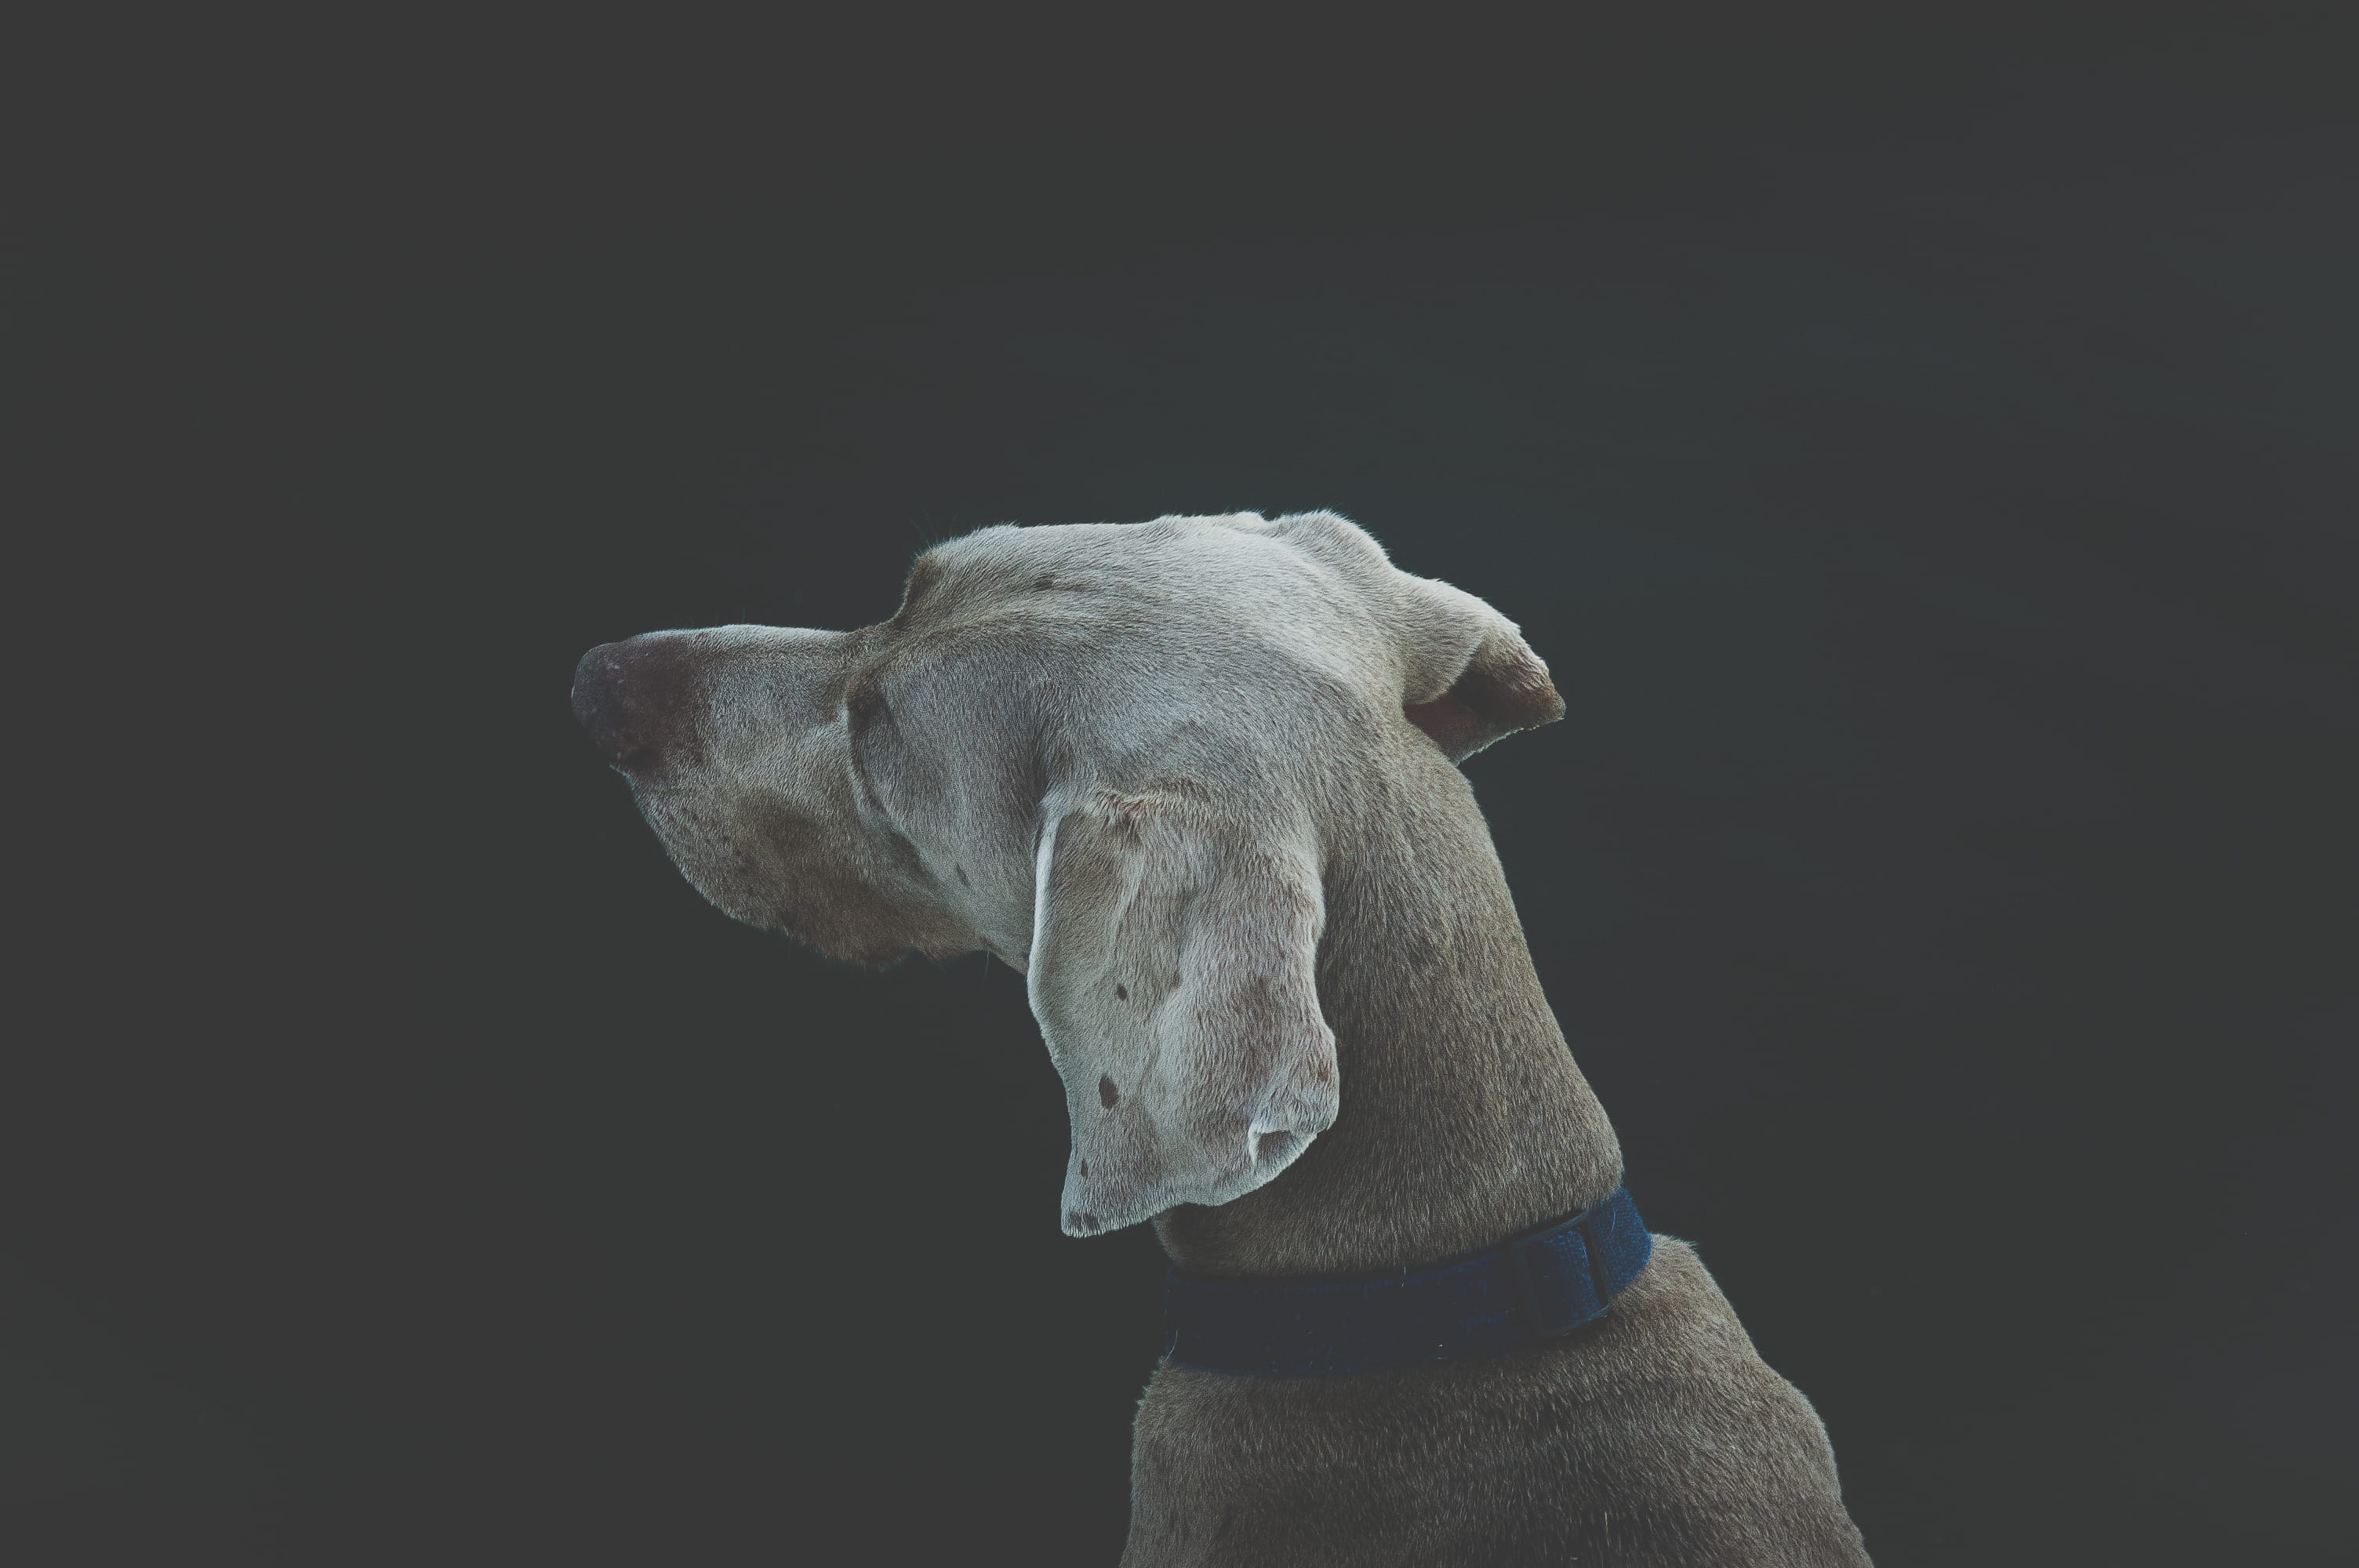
635	699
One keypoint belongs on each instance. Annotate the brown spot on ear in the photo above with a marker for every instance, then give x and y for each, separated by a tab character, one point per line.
1107	1093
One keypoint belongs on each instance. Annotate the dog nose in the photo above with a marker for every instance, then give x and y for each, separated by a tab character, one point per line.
636	698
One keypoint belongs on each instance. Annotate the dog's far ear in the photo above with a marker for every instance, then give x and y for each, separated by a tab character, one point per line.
1468	676
1172	972
1471	677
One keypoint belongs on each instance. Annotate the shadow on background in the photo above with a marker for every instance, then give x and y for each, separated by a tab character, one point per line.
1921	450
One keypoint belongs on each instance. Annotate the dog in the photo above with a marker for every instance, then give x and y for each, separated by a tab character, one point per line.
1197	779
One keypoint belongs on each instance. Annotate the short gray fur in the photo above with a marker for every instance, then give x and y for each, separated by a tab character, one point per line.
1196	777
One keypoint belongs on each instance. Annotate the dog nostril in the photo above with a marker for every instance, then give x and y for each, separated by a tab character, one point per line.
633	698
598	706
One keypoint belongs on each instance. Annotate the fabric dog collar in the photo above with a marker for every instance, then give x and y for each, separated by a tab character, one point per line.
1546	1281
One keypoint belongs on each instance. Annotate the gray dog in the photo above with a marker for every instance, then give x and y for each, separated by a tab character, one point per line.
1195	778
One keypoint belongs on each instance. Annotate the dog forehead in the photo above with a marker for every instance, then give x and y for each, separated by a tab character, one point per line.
1232	564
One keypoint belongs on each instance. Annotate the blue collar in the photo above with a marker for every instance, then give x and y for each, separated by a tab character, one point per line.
1546	1281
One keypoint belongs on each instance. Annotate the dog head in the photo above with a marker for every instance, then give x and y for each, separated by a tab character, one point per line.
1105	753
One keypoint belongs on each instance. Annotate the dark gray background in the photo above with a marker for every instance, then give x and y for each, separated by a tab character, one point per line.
1920	445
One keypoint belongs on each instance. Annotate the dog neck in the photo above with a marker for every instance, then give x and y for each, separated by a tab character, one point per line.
1463	1119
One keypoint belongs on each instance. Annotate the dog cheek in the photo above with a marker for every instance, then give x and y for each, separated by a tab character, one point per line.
815	882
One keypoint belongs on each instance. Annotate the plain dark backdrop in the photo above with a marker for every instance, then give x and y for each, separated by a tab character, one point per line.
1920	439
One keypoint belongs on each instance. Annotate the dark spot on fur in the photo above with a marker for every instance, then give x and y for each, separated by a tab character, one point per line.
1081	1221
1270	1144
1085	1167
961	876
1323	1071
1122	993
1044	582
1107	1093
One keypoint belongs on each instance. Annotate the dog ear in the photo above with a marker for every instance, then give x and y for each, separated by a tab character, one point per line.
1172	971
1470	677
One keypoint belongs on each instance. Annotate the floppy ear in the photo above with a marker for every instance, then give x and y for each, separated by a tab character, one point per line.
1470	677
1172	971
1467	676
